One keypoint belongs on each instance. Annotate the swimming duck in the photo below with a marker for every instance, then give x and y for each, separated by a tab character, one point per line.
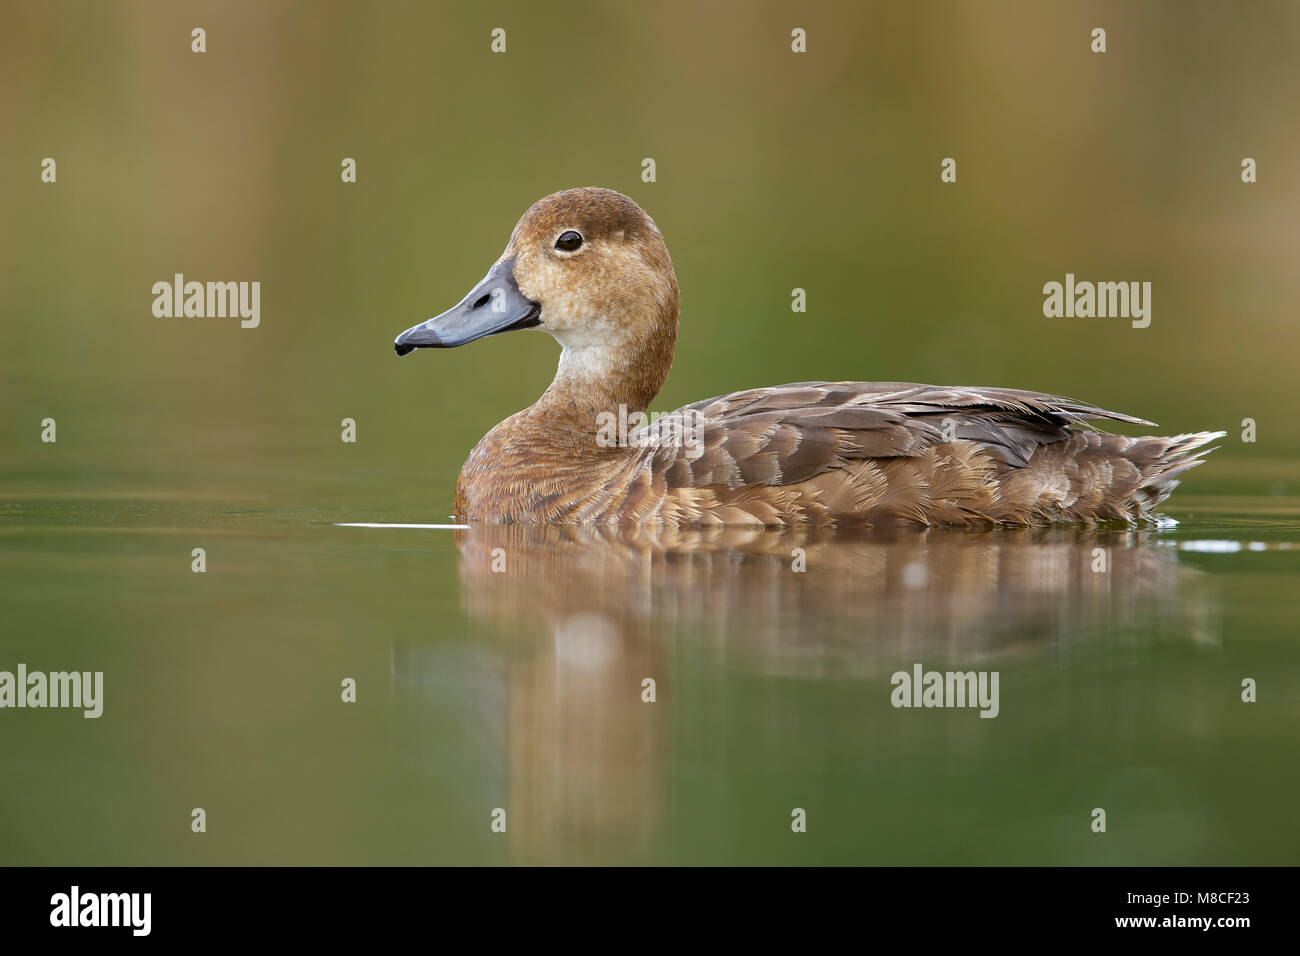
591	268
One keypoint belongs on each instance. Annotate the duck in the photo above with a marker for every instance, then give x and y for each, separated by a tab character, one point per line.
591	268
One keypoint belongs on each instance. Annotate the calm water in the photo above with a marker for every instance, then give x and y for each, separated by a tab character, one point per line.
522	689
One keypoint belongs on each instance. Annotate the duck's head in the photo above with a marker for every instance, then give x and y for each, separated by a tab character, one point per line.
586	265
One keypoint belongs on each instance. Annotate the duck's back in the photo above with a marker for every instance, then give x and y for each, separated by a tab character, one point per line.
888	452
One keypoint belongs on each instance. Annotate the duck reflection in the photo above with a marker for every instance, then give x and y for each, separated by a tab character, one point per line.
588	624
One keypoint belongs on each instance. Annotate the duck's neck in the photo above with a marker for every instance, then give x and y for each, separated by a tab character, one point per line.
597	376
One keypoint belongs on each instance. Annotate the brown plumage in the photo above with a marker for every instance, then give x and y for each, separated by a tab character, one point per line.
588	266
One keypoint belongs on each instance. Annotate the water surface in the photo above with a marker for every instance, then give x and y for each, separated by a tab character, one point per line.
522	688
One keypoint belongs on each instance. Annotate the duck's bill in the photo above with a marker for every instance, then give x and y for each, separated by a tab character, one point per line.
494	305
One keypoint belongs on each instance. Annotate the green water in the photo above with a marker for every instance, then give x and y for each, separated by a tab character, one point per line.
521	689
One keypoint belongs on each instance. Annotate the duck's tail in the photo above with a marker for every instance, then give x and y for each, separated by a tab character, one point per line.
1098	476
1161	460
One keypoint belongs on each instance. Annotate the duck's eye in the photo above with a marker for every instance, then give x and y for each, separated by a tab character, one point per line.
569	241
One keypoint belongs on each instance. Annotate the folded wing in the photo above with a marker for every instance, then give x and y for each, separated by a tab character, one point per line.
792	433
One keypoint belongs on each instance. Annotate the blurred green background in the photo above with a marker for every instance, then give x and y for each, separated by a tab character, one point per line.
775	170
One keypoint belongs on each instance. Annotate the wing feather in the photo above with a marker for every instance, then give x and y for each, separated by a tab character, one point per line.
790	434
